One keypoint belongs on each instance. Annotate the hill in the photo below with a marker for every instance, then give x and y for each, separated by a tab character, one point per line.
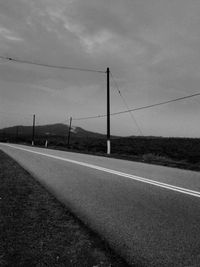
49	130
175	152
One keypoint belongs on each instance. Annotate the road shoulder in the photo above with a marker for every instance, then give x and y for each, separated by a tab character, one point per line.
37	230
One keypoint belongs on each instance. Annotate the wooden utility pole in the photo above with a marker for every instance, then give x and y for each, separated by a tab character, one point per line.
108	112
69	132
33	131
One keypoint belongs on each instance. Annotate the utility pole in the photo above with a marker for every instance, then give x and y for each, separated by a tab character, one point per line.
69	132
17	133
108	112
33	130
4	135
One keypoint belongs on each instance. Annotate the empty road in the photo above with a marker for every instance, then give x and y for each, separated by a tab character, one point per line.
149	214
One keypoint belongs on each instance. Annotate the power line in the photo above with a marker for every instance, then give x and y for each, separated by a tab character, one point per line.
158	104
126	105
50	66
140	108
91	117
99	71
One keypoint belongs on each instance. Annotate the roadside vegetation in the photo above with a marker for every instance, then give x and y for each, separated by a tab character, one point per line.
174	152
37	230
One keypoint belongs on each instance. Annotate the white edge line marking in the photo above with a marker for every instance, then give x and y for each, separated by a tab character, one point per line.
130	176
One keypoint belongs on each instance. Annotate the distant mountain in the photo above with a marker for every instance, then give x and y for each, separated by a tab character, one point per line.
57	129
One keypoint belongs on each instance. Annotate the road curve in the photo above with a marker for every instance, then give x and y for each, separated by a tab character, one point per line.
149	214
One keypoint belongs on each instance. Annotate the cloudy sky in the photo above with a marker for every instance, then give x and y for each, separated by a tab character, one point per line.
151	46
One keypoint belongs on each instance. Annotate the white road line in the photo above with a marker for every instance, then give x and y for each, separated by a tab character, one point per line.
130	176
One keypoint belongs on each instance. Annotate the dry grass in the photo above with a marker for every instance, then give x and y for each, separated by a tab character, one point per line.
37	230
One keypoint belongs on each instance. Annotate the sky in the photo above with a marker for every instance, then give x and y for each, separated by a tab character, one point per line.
152	48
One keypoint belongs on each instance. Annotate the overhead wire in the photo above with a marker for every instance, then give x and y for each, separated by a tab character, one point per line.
140	108
126	105
50	66
100	71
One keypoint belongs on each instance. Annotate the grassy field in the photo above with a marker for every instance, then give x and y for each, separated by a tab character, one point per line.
37	230
181	153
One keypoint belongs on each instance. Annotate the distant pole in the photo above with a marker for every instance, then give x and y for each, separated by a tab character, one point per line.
108	112
69	132
46	143
17	133
33	131
4	135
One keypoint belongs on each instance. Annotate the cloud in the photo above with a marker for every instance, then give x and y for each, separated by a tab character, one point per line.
9	35
151	46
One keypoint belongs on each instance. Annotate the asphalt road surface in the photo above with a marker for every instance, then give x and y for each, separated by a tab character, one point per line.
149	214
